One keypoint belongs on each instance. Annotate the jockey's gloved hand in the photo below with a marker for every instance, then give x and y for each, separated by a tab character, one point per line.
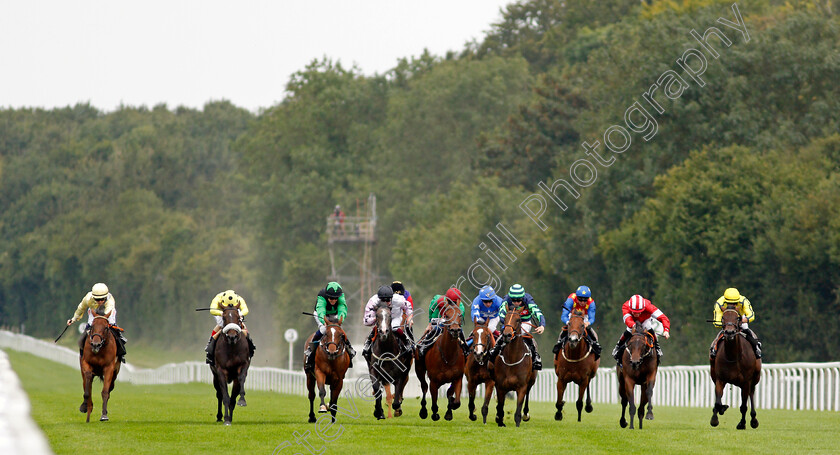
69	321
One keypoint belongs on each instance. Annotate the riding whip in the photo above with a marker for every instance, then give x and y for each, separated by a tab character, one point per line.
203	309
308	314
62	333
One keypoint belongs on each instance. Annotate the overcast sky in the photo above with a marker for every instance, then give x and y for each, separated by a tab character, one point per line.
58	53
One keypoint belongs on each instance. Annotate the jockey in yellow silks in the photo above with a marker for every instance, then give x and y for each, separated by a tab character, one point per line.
217	305
742	305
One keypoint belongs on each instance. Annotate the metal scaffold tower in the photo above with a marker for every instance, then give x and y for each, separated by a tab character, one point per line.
351	241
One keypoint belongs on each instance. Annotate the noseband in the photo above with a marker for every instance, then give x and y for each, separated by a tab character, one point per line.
103	338
339	345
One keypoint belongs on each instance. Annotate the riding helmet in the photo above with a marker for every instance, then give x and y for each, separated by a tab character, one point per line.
333	290
385	293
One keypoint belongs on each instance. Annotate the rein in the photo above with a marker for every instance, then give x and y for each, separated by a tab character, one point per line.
648	343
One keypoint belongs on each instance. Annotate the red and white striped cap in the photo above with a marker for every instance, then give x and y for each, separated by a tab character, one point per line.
637	303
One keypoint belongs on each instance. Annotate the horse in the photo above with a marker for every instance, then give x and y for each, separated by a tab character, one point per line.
513	369
231	364
735	364
99	359
477	369
331	363
389	365
444	363
638	366
575	363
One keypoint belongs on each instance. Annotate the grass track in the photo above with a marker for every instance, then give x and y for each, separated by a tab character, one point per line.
181	419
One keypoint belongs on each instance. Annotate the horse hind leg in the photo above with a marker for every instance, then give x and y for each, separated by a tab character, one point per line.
521	394
579	402
718	408
454	398
471	390
526	416
588	407
424	387
500	406
107	385
561	389
310	386
433	393
389	399
488	394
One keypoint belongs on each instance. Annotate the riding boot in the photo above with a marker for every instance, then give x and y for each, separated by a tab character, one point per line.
464	346
309	356
120	345
713	348
366	348
409	331
658	350
618	351
251	347
756	344
560	341
350	351
495	350
593	341
211	351
535	355
470	341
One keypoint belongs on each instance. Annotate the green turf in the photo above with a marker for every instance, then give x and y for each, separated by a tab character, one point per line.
181	419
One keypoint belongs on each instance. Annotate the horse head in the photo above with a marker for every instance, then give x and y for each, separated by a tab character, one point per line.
575	328
481	342
334	339
98	333
513	324
640	346
383	320
731	321
450	316
231	323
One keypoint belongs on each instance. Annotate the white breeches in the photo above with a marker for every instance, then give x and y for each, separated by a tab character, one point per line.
494	322
112	319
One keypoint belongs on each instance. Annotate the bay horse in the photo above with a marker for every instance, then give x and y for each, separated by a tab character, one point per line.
99	359
390	364
735	364
477	369
444	363
513	369
638	367
575	363
331	363
231	364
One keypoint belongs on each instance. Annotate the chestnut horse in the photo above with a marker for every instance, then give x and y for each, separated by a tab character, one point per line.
513	369
477	369
231	364
638	367
390	364
735	364
444	363
99	359
575	363
331	362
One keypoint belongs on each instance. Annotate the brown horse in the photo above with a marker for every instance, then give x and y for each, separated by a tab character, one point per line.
331	363
390	364
231	364
638	367
513	369
477	368
444	363
99	359
735	364
575	363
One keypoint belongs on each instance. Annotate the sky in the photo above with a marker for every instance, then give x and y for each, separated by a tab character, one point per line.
112	53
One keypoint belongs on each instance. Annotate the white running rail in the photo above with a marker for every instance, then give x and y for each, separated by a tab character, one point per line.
795	386
18	433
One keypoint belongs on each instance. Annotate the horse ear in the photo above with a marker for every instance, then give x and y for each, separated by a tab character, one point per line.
108	314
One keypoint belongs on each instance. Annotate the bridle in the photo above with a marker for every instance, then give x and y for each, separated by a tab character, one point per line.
102	337
649	342
515	329
734	324
234	325
576	315
482	356
339	345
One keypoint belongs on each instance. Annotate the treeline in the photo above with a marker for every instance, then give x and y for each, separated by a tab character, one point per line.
736	187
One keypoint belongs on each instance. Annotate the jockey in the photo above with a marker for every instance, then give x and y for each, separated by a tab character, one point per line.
330	302
581	299
485	308
436	323
217	306
744	308
400	289
640	309
99	295
398	307
531	317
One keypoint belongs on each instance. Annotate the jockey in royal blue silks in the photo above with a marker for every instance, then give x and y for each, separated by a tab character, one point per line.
485	309
582	300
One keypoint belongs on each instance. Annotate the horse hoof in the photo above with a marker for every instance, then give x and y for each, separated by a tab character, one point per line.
322	409
714	422
623	424
424	413
473	417
526	417
649	416
312	418
227	424
380	417
103	419
754	423
723	409
241	402
435	417
397	412
83	407
741	426
448	415
588	408
558	416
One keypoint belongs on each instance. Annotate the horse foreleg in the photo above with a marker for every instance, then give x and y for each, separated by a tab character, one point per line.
488	394
218	386
526	416
107	385
399	388
753	420
243	373
223	382
500	406
434	387
310	386
87	401
454	398
335	392
623	394
321	379
644	395
742	425
718	408
235	389
420	369
471	389
582	388
561	389
588	407
389	399
377	392
629	390
521	394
